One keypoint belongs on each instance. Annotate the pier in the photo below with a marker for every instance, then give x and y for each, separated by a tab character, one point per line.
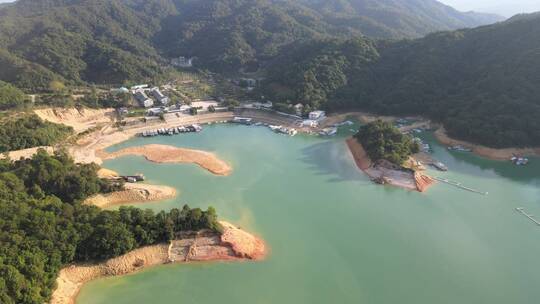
459	185
529	216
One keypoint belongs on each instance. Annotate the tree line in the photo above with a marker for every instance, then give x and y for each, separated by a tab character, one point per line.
44	225
382	140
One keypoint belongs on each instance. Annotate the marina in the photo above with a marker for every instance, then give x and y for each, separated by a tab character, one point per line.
172	131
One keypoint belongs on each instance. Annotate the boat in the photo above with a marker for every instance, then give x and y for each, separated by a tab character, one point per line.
328	131
440	166
519	161
196	127
274	128
242	120
345	123
459	148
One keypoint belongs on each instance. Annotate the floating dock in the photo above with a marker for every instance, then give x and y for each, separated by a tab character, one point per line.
459	185
529	216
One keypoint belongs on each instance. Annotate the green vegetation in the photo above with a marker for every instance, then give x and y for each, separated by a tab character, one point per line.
113	42
480	83
10	96
43	225
30	131
382	140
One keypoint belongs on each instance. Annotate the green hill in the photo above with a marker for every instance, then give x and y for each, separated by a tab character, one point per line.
482	83
397	18
115	41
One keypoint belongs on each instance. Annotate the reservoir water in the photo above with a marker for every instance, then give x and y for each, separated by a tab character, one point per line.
336	237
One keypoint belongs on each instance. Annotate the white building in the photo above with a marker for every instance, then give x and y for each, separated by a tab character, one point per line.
121	90
182	62
299	109
139	87
310	123
266	105
164	100
317	115
143	99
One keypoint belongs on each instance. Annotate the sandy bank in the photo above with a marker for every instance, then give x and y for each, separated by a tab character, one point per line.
170	154
132	193
79	119
27	153
233	244
106	173
491	153
410	180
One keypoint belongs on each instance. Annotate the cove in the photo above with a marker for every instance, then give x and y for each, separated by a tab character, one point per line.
334	236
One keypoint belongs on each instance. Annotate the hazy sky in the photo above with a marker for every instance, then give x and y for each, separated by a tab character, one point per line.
502	7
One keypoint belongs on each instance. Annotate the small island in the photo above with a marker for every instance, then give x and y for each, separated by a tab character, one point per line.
384	154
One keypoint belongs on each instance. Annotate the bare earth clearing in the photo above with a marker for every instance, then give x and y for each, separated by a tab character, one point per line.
132	193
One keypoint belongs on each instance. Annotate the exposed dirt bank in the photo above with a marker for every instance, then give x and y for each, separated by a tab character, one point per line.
79	119
170	154
27	153
132	193
233	244
106	173
410	180
491	153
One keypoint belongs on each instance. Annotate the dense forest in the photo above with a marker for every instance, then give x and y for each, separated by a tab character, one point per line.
117	41
482	84
43	224
382	140
28	131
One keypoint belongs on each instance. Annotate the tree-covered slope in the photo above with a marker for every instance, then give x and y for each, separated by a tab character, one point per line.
114	41
482	83
398	18
95	41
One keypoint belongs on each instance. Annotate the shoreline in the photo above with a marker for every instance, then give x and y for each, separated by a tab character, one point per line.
440	134
413	181
233	244
170	154
483	151
131	194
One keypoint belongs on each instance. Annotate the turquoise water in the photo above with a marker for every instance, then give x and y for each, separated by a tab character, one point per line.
335	237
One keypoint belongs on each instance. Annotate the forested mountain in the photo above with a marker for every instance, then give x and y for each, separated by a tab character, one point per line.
482	83
113	41
397	18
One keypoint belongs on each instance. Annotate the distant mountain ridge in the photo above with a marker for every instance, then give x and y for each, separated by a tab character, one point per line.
114	41
398	18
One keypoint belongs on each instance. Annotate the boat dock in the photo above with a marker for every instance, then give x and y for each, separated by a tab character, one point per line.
529	216
459	185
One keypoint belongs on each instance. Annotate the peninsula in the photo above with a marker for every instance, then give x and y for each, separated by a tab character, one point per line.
384	154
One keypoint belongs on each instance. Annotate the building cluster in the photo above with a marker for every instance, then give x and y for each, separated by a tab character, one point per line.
147	97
